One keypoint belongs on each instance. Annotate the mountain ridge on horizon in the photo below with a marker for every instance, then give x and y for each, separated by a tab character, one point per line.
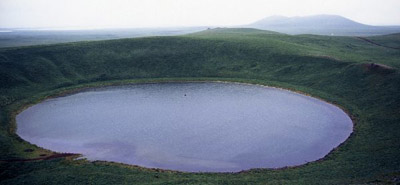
322	24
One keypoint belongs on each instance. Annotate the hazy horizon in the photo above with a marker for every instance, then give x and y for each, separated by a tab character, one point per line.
25	14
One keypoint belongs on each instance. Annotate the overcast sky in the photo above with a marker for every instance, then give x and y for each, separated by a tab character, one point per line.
168	13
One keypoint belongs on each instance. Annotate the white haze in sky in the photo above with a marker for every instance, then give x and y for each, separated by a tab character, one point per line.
169	13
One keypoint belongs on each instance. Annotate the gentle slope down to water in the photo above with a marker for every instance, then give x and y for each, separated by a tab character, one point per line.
337	69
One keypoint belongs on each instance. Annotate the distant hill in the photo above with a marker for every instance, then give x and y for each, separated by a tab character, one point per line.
26	37
239	31
321	25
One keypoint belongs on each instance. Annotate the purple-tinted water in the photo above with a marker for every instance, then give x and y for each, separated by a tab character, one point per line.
212	127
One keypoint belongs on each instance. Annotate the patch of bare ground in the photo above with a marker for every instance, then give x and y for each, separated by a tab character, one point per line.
378	68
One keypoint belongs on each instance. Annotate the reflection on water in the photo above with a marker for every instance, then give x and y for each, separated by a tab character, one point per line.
214	127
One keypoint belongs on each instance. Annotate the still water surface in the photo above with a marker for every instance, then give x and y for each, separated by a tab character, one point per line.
213	127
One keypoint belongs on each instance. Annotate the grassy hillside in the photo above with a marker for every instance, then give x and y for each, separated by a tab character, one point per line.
361	77
18	37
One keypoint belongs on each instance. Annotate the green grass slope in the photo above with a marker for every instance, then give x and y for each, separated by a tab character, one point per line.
337	69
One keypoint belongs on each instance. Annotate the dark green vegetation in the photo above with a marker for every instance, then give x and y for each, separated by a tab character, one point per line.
337	69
